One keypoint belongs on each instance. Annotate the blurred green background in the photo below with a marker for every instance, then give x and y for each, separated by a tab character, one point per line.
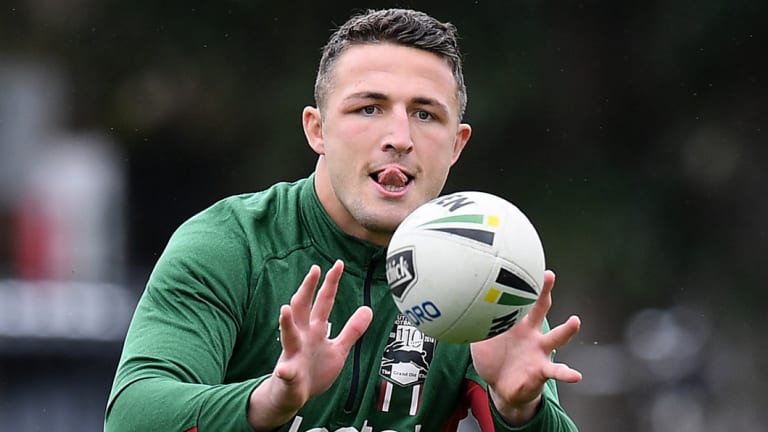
631	133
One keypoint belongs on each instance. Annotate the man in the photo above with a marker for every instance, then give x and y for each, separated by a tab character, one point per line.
232	333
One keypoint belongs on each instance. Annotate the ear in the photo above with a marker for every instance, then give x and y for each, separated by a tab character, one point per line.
462	136
313	128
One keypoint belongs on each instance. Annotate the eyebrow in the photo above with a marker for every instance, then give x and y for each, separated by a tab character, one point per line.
420	100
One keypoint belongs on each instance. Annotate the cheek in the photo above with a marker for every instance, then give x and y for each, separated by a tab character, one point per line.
437	147
348	136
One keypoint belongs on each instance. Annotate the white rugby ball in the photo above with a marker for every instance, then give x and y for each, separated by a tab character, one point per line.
465	267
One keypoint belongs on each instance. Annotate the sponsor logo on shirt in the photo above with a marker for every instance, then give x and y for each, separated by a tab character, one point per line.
299	419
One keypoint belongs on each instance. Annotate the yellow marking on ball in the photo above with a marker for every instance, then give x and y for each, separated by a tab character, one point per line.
492	296
493	221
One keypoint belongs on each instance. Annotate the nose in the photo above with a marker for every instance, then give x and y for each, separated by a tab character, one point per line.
398	137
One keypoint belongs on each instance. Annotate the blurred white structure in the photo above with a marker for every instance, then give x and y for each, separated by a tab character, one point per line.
70	212
62	192
62	199
30	105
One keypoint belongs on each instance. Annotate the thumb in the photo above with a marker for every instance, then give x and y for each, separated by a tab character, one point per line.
355	327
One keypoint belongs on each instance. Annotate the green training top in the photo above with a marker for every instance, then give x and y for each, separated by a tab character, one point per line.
205	332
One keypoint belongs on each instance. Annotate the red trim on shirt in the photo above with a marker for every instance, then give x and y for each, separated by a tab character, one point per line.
382	394
478	401
473	397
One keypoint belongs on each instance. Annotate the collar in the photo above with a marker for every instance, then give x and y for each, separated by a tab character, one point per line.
334	243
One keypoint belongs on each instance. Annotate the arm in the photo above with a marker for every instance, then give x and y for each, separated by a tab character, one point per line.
170	376
184	330
518	367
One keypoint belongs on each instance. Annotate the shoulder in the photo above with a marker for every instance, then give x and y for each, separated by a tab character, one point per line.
235	215
248	227
229	240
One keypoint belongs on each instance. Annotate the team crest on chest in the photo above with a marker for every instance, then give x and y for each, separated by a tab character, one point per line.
407	355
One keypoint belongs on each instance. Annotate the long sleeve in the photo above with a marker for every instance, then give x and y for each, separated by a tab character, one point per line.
550	418
171	374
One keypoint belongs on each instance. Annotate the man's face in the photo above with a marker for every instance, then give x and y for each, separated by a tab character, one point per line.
387	136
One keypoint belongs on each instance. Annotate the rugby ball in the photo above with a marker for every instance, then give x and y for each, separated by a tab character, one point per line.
465	267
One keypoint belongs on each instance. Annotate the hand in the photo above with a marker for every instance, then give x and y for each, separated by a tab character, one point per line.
310	361
517	363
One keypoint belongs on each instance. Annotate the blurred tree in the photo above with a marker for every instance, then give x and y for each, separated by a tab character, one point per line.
627	130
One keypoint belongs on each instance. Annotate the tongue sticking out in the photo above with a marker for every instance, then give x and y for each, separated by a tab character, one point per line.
392	177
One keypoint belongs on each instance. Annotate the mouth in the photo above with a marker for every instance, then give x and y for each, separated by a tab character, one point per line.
392	179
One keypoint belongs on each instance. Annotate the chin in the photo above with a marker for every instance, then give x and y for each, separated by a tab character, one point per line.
383	224
388	225
382	219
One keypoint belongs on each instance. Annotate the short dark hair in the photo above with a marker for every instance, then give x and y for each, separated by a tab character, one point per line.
398	26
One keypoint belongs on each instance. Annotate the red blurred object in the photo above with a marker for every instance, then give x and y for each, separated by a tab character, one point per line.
32	235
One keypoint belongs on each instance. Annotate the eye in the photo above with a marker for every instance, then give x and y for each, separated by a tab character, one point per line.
424	115
368	110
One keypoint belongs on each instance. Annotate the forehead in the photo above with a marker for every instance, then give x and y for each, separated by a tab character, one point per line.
394	70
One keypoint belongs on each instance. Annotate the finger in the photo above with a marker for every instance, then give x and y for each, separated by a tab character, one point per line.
321	310
301	301
562	372
562	334
290	338
355	327
540	309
